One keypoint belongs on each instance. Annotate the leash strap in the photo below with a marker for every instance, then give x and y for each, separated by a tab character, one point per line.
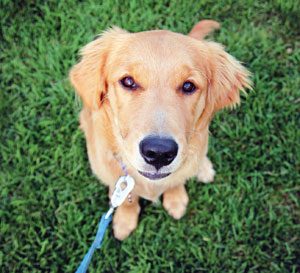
103	224
123	187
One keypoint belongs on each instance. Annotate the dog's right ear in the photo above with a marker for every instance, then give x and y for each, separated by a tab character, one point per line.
88	76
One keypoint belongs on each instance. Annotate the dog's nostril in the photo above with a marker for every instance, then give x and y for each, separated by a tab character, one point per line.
158	151
150	154
170	156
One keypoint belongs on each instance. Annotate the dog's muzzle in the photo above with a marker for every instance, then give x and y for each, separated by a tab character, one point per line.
158	152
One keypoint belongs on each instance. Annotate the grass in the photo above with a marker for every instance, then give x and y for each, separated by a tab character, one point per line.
247	221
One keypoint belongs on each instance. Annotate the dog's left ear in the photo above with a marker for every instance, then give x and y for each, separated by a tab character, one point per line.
227	77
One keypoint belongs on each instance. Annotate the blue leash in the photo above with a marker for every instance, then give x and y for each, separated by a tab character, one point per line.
123	187
102	226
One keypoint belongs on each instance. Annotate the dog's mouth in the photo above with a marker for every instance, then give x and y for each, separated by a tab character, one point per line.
154	176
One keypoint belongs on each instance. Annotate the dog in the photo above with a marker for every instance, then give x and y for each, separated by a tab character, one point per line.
148	99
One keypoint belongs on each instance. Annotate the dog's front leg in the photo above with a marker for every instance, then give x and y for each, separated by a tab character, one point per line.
175	201
126	217
206	171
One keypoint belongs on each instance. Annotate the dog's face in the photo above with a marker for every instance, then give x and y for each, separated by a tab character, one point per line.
158	88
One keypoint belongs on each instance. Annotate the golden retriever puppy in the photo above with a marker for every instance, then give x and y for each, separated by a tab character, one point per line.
148	98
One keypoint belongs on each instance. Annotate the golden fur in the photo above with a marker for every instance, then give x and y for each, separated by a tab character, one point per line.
115	120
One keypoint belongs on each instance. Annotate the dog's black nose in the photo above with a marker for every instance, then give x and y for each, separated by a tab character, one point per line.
158	151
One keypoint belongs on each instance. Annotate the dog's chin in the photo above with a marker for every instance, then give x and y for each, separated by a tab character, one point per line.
154	176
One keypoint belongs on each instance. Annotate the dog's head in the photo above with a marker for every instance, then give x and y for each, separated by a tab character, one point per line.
158	88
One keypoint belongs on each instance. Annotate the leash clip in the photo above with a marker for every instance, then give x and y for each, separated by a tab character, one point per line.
123	187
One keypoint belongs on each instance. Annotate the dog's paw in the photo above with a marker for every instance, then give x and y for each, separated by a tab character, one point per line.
206	176
125	221
206	172
175	202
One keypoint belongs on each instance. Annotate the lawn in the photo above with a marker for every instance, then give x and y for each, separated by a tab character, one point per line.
248	220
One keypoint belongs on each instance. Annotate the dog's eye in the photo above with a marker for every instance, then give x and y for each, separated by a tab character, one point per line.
129	83
188	87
